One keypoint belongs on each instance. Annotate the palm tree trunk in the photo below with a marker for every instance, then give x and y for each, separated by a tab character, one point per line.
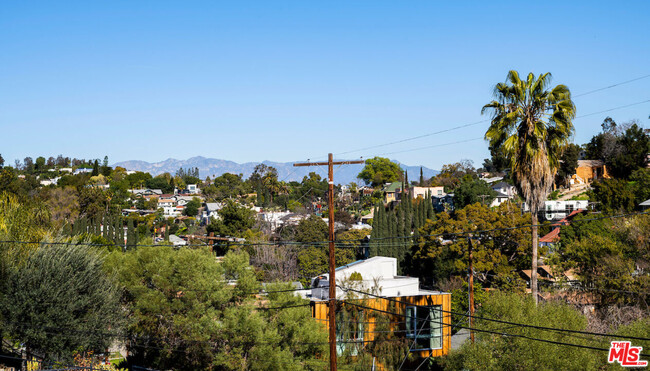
533	273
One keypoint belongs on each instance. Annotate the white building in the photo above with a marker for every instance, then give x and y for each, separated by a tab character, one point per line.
505	188
423	191
556	210
377	273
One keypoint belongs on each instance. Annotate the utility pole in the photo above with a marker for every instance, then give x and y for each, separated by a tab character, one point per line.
483	197
332	279
471	290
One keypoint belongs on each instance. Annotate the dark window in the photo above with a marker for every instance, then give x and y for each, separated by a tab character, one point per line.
424	325
349	332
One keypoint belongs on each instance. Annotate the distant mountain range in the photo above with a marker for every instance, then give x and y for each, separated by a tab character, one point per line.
286	171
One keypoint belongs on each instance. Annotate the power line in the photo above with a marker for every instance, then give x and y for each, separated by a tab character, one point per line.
609	87
433	146
482	121
500	321
414	138
319	243
613	109
497	333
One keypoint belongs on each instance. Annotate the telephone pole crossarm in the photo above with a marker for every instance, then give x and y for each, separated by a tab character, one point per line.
327	163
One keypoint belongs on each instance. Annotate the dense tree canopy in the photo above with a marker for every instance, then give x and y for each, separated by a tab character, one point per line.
497	254
234	220
471	191
496	352
623	148
380	170
59	301
181	300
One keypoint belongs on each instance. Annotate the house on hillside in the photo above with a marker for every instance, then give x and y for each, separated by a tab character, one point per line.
146	192
556	210
645	204
210	210
420	316
505	188
366	191
588	171
422	192
553	237
392	192
499	199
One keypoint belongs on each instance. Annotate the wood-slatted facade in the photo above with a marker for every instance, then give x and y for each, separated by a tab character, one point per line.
399	305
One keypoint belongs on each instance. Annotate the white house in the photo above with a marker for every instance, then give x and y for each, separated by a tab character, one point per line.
423	191
146	192
499	199
82	170
210	210
505	188
167	202
378	272
555	210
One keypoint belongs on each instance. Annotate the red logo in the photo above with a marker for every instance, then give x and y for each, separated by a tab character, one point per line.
624	353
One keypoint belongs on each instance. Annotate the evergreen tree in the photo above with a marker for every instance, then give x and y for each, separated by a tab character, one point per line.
421	177
130	235
374	234
423	213
429	205
392	249
105	226
95	168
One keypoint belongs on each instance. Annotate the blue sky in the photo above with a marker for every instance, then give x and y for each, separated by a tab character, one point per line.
288	81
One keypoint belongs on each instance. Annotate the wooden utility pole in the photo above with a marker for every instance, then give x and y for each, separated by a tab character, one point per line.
483	197
332	284
471	290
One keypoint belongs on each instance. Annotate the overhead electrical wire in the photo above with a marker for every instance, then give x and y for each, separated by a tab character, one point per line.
499	321
342	241
610	86
494	332
483	121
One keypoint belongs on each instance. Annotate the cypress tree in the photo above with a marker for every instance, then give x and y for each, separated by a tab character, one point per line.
408	214
373	232
423	214
421	177
130	235
386	233
380	229
399	242
166	230
105	226
406	180
392	232
430	212
121	234
377	227
400	222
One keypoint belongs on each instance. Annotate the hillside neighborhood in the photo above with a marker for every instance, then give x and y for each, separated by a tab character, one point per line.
306	186
395	238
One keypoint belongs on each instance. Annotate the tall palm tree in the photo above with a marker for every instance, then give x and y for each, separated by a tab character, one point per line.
531	124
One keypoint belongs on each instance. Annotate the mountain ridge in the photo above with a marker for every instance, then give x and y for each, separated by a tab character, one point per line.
214	167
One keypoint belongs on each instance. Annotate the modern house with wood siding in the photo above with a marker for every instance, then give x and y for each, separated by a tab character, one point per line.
420	318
